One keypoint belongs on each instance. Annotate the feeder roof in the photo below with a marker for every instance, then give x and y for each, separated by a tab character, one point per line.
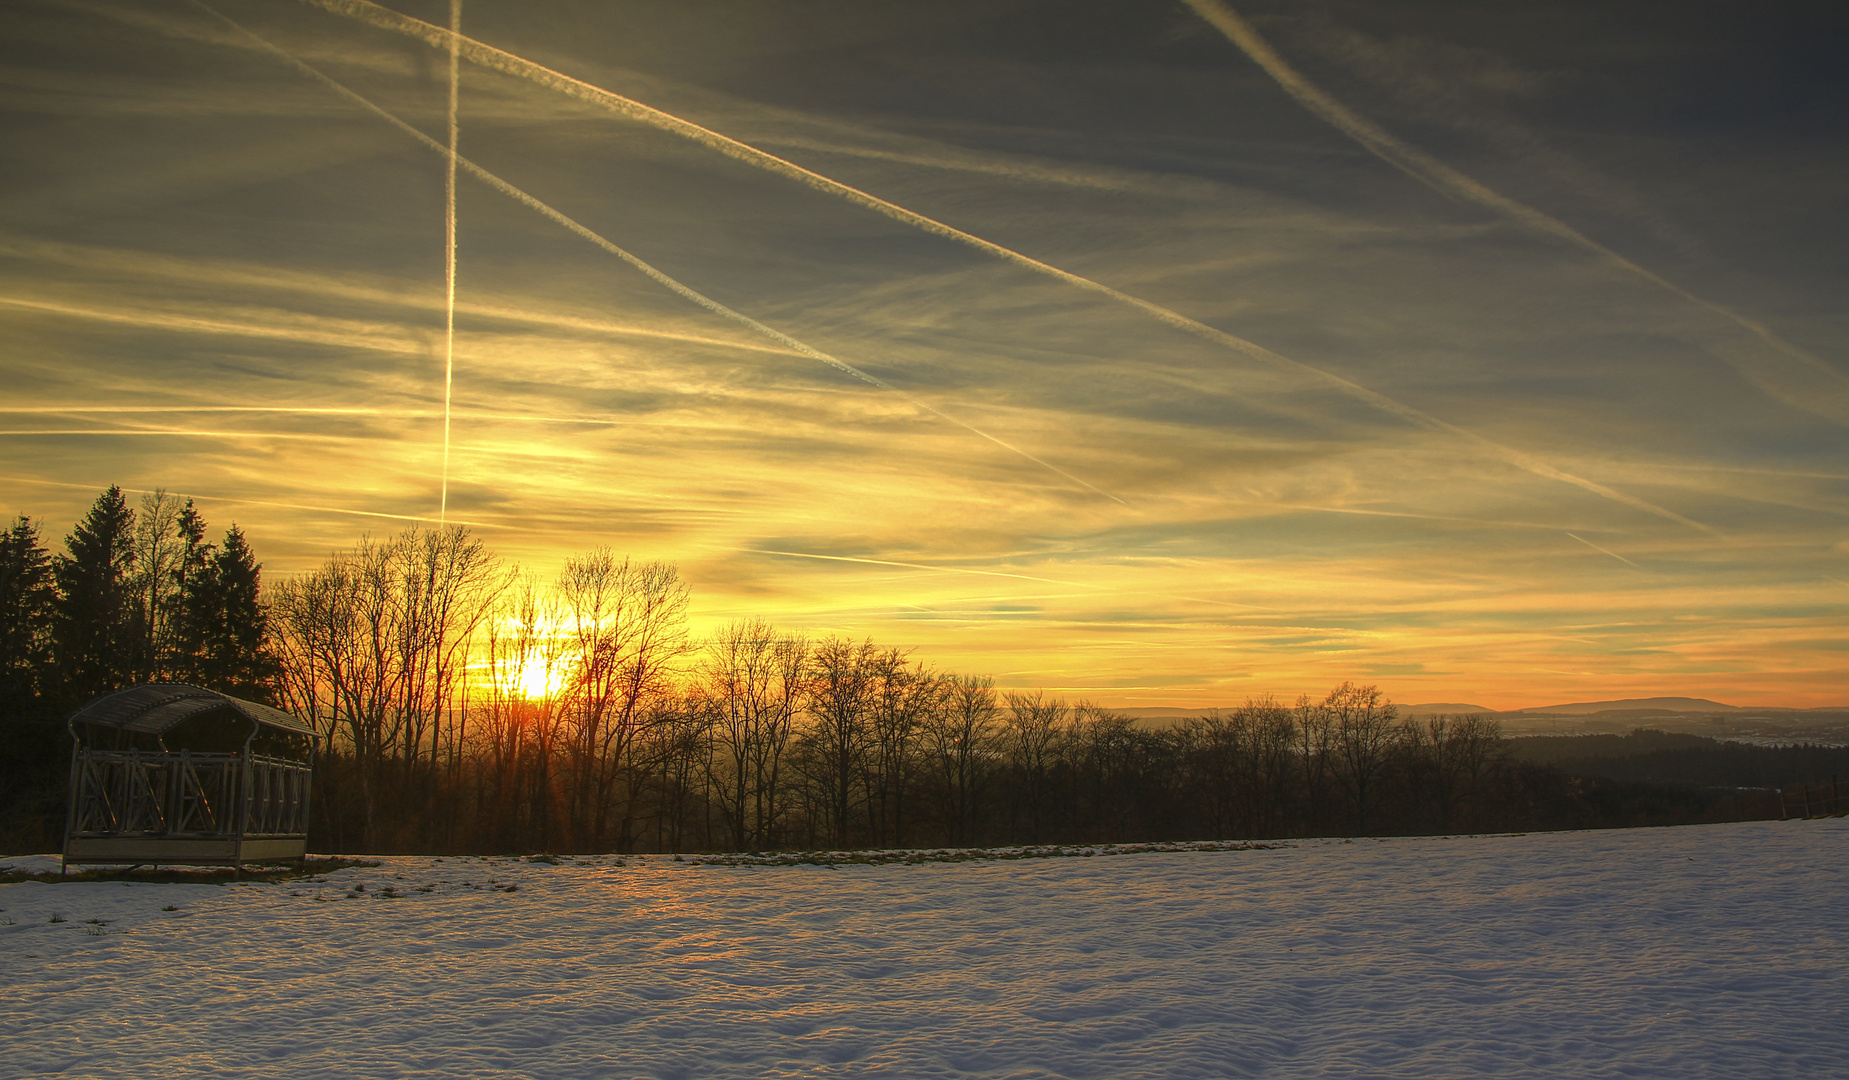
155	708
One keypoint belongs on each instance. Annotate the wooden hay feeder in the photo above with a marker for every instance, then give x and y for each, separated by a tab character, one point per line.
165	773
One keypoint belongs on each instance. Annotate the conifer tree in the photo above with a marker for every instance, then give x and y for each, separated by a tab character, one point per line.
227	627
194	586
93	636
33	744
26	596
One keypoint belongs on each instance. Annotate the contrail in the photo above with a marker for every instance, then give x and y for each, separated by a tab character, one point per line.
449	245
166	269
983	573
653	274
371	342
313	410
1830	400
507	63
188	432
254	502
911	566
1549	527
1605	551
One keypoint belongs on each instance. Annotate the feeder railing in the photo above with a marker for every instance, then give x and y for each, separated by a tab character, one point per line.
143	793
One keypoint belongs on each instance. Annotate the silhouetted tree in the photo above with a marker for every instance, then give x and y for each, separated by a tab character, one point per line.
93	630
959	740
1364	740
840	703
27	606
33	744
751	691
1030	736
223	631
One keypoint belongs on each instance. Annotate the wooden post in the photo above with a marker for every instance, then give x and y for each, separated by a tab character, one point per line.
1807	804
1836	807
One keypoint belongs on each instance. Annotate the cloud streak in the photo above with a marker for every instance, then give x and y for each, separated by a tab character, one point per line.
647	269
232	500
507	63
345	334
1776	366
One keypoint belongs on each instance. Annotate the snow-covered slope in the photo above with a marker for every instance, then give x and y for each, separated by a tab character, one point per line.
1716	951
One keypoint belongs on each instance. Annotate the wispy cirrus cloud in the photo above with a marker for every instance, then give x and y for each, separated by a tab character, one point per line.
247	273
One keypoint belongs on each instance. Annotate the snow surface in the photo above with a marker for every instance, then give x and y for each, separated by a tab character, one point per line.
1713	951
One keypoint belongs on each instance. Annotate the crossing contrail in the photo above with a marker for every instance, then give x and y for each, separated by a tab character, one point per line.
651	272
499	60
449	246
1811	384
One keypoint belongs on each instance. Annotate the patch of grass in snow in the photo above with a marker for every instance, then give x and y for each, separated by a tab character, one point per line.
310	867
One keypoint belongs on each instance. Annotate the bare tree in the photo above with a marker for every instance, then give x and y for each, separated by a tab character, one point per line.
1476	748
1314	729
1101	750
627	626
959	733
752	684
1030	735
516	728
1364	741
373	646
901	697
840	704
160	562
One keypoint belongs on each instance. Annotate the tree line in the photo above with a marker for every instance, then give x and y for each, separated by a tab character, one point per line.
466	705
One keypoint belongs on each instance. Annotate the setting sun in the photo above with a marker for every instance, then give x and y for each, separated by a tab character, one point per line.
536	680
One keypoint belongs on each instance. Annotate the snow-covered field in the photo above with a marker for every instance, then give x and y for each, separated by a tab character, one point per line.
1714	951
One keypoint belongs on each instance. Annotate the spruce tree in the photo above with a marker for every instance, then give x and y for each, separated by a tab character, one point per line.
93	632
194	586
34	746
227	624
26	596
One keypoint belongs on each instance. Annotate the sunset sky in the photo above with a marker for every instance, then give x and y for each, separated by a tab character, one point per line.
1492	353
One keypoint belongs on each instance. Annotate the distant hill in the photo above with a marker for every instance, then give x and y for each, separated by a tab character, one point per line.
1164	716
1435	707
1666	704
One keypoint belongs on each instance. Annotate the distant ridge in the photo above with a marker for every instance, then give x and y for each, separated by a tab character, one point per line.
1667	704
1435	707
1167	712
